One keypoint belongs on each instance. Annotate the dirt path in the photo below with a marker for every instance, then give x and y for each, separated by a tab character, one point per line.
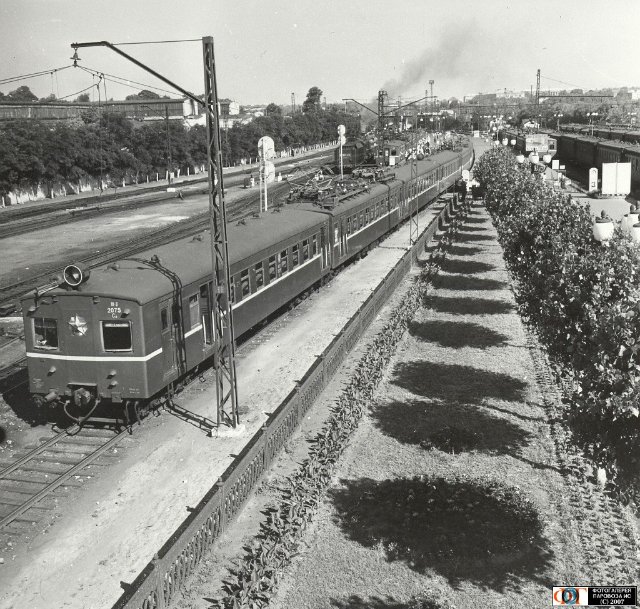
458	487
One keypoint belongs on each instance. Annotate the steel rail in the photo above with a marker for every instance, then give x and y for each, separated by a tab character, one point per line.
62	478
37	450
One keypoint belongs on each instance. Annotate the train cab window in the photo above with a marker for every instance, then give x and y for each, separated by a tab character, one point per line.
259	272
45	330
273	269
194	311
244	282
116	336
284	262
305	250
295	255
314	243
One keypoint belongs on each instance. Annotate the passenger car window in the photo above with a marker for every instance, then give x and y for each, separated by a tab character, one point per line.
305	249
244	282
259	275
295	255
284	262
116	335
45	331
273	272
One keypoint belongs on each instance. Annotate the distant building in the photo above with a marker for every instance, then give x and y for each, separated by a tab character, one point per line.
509	94
135	109
229	107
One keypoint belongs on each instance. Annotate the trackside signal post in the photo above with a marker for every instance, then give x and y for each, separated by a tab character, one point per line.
223	339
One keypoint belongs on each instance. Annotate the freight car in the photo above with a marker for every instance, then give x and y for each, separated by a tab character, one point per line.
584	151
355	153
128	332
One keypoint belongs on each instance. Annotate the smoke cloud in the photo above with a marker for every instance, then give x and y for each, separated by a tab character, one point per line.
448	61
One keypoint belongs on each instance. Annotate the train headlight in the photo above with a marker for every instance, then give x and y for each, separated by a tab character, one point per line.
75	274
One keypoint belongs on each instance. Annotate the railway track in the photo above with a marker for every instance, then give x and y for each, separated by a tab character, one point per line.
58	217
236	211
27	484
13	375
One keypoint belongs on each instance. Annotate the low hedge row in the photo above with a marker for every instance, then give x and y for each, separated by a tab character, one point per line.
256	578
583	300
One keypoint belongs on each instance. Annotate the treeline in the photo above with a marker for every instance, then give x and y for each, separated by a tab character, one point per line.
112	148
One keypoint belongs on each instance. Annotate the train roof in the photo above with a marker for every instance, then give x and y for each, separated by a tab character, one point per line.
617	144
188	260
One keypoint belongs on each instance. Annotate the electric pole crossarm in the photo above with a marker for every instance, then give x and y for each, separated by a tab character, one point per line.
359	104
104	43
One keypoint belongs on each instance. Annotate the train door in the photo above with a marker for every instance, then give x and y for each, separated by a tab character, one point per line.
206	312
168	333
326	248
343	238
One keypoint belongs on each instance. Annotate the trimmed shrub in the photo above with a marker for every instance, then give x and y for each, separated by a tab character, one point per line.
582	299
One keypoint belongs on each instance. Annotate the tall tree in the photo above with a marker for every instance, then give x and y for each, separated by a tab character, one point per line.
312	103
22	93
144	94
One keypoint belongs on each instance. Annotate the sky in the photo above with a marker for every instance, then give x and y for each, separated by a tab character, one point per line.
266	50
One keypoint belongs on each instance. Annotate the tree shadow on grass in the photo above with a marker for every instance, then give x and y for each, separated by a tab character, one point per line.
3	435
479	531
463	283
456	383
471	228
476	220
451	428
457	334
375	602
465	267
468	306
459	250
462	237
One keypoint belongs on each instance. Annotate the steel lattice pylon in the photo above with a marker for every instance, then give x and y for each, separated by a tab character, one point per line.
224	338
223	335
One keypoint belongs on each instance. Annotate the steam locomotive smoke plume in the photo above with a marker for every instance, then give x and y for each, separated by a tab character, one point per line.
448	60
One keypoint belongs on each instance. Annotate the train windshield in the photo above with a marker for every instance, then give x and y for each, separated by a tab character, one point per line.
45	331
116	335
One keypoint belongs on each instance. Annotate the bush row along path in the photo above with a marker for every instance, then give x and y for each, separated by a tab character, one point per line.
460	488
